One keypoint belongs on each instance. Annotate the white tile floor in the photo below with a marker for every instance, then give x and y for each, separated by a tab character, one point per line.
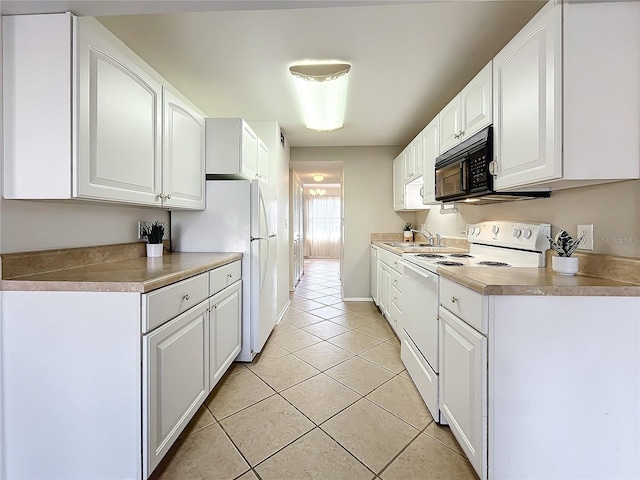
328	398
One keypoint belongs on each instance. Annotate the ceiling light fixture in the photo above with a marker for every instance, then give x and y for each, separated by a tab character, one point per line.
318	178
322	89
318	192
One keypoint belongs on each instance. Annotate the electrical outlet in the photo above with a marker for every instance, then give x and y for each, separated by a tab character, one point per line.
587	241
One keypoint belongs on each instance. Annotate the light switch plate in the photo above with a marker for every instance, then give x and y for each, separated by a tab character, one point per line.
587	241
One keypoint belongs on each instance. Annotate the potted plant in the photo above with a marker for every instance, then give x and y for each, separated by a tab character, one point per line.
408	234
153	232
564	245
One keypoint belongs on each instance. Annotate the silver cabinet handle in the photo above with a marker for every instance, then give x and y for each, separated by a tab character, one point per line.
453	299
168	197
186	297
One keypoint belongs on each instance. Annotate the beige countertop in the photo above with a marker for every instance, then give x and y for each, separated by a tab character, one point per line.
139	274
535	281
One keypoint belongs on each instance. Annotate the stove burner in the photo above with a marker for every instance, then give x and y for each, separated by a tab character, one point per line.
461	255
494	264
448	263
429	255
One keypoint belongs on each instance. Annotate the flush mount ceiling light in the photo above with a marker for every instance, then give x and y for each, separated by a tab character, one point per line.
318	178
322	89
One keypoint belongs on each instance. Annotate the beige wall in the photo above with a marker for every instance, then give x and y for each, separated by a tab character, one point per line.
368	206
612	208
37	225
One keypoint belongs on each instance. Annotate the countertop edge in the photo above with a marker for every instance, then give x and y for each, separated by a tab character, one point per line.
619	290
144	286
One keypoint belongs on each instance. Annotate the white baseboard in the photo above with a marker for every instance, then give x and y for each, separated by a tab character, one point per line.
284	310
358	299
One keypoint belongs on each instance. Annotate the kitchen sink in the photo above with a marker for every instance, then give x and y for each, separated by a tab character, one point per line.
406	244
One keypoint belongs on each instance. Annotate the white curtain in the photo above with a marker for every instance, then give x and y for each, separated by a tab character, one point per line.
322	226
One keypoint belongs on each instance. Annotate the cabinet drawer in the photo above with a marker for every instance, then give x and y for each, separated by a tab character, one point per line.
224	276
396	280
165	303
470	306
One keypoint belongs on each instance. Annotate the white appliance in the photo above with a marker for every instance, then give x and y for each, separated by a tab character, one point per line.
239	217
496	244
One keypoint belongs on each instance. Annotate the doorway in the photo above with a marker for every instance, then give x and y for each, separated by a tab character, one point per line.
322	221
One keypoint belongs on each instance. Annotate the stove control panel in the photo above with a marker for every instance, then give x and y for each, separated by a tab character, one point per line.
523	236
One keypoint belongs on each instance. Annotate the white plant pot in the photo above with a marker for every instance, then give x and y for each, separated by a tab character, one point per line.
408	236
154	249
564	265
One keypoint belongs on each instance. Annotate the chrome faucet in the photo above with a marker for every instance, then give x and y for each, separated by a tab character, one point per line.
429	237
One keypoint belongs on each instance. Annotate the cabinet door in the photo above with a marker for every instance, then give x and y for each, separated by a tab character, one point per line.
463	386
183	154
225	327
176	380
476	103
416	147
119	109
263	161
249	167
398	183
527	98
374	275
430	150
450	124
383	286
407	158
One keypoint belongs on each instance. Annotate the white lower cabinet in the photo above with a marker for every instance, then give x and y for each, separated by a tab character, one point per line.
176	380
509	364
375	292
463	386
123	373
225	331
389	279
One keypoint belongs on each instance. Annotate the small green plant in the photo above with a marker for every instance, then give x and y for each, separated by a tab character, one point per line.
564	244
153	232
407	227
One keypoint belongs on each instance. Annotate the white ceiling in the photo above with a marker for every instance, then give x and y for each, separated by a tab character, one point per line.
409	58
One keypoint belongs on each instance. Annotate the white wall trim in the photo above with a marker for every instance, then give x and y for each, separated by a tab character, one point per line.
284	310
358	299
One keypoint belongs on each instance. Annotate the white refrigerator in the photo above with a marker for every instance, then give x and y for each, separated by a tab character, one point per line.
239	217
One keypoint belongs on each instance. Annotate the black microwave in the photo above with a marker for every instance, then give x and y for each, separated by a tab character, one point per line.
463	173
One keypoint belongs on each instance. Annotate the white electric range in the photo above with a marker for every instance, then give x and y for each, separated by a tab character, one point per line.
493	244
497	244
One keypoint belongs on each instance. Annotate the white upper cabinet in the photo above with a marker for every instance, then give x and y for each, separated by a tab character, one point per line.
430	150
475	103
469	112
263	161
398	182
234	150
98	115
560	121
527	99
119	105
450	124
183	154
